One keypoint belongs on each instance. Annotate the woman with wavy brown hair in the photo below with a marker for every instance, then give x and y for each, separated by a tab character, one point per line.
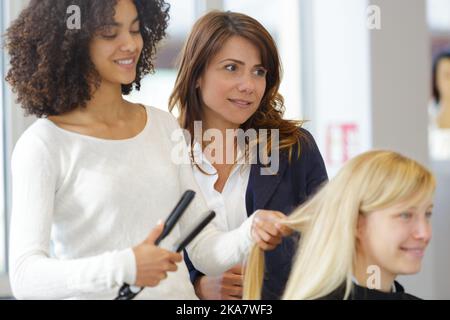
94	174
245	156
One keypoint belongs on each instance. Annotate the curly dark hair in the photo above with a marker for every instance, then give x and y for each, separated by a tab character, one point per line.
51	70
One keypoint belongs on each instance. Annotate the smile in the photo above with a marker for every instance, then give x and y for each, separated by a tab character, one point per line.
126	63
240	103
416	252
130	61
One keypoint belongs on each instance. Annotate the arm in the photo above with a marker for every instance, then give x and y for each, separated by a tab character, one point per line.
194	274
213	252
33	273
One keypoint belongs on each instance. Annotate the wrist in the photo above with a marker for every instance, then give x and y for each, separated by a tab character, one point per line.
127	271
198	286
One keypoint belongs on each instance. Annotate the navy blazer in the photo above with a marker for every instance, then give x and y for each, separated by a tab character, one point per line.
294	183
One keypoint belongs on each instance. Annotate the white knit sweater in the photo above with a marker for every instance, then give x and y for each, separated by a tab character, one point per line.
81	203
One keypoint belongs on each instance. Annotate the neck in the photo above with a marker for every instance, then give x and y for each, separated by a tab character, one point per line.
228	143
106	104
367	277
218	124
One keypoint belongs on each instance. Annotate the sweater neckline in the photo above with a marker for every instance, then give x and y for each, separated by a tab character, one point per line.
103	140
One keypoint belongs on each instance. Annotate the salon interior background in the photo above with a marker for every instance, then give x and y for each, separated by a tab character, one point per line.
360	87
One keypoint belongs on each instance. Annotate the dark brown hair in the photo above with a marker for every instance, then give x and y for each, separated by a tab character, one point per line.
51	70
206	39
439	57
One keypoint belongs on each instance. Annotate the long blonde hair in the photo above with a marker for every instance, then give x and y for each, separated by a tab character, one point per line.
328	222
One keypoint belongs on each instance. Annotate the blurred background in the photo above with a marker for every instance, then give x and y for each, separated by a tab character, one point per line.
358	70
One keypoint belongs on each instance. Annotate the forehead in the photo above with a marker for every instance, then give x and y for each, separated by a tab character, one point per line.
416	204
239	48
444	65
125	10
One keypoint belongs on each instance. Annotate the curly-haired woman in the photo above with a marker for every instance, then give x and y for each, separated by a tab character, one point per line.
94	174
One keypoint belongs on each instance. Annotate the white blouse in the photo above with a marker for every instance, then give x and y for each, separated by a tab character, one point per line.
229	205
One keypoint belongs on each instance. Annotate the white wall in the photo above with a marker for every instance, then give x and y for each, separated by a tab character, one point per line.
341	79
378	80
441	227
14	123
400	63
283	21
2	198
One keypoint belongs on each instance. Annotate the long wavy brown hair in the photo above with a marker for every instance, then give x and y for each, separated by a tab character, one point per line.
208	35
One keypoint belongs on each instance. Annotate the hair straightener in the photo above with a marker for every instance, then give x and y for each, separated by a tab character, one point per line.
127	292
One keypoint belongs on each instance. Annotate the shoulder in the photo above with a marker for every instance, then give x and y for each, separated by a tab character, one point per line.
36	143
307	140
166	125
402	294
305	150
41	132
362	293
162	117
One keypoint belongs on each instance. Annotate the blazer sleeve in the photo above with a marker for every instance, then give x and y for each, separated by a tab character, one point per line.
194	274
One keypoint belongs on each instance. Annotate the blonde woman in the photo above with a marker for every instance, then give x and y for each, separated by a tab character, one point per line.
366	226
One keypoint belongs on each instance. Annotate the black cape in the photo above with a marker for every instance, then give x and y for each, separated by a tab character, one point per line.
363	293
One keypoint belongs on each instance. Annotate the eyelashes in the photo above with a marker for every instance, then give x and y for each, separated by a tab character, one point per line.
259	72
109	35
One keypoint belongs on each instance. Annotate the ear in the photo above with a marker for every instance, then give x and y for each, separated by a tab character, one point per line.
361	226
198	82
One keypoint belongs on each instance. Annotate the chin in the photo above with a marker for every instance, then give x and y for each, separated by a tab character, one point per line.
129	79
126	82
410	269
239	121
123	81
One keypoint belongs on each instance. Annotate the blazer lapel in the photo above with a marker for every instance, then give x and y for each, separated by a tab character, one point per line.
264	186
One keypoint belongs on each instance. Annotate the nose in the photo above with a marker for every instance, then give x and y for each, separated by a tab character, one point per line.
247	84
422	230
128	43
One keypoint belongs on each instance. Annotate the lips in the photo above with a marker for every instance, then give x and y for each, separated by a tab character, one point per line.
126	62
414	251
241	103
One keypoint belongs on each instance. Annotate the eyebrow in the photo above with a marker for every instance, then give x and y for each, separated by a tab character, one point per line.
431	206
117	24
239	62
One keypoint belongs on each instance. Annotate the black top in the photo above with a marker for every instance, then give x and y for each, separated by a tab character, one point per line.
363	293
